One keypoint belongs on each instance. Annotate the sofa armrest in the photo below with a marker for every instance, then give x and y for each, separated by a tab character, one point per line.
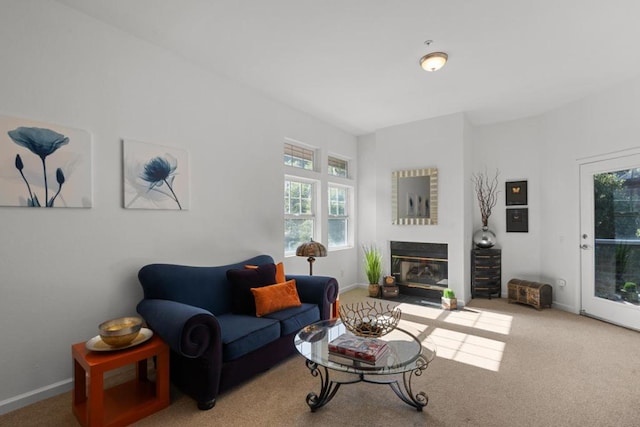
320	290
189	331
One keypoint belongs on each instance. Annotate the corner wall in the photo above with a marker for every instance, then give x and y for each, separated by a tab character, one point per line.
514	149
546	150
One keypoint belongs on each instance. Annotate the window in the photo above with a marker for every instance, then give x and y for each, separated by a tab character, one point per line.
299	215
338	167
338	219
318	202
298	157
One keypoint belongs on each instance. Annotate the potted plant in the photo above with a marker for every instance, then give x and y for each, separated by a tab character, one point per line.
373	268
449	300
630	292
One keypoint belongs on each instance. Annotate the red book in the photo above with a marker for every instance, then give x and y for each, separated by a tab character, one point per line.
359	348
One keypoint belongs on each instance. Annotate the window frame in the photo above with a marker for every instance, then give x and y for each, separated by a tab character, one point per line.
338	159
314	206
347	216
308	154
322	180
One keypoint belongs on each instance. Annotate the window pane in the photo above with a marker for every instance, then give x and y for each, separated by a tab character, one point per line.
338	221
298	157
617	200
338	232
338	167
296	231
298	198
337	201
617	233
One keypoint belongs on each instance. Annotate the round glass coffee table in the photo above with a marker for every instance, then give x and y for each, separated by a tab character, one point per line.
405	355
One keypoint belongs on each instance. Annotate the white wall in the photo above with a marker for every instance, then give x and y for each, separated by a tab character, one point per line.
546	151
603	123
63	271
436	143
368	189
514	150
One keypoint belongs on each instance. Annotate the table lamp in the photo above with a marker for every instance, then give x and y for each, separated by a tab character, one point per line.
311	250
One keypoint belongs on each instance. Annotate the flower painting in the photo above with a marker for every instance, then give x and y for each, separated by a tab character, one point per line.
44	165
155	176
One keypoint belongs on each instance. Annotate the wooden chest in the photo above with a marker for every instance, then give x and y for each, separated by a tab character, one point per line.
390	291
531	293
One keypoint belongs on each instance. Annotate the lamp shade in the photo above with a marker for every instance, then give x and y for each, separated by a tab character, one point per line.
311	249
433	61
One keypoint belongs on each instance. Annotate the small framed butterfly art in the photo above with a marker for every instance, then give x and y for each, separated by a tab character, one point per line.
516	193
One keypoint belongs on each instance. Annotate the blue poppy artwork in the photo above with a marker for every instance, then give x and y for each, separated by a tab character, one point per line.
44	165
155	176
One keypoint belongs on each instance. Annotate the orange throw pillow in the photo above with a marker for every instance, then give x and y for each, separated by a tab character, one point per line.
276	297
280	276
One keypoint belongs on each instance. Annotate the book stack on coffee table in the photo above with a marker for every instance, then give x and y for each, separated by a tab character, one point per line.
361	349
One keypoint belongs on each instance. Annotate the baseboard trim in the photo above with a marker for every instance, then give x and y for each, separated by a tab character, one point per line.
25	399
347	288
563	307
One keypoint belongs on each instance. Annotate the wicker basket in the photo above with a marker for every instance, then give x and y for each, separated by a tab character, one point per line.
369	319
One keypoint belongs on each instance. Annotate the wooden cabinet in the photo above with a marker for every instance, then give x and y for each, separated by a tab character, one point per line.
486	272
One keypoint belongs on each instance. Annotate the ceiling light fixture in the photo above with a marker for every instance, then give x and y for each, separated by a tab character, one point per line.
433	61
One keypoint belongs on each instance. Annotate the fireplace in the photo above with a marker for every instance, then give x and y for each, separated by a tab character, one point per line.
420	269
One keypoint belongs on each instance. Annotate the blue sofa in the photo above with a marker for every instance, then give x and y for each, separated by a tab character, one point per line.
213	348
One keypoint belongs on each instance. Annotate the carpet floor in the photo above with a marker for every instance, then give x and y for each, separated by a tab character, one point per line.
498	364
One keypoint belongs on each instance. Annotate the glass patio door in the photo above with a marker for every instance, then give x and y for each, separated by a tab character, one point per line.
610	239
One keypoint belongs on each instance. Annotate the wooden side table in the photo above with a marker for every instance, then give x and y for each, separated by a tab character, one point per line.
125	403
335	308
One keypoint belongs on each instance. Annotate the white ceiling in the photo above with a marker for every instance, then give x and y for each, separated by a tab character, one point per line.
354	63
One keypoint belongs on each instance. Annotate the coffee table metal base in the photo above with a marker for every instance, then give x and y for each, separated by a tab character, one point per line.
329	388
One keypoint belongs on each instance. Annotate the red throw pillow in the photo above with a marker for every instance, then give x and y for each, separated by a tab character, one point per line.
276	297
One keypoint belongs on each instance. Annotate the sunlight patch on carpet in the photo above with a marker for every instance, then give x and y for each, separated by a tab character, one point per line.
412	327
420	311
469	349
485	320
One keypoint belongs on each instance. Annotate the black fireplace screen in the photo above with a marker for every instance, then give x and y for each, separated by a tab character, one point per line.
420	265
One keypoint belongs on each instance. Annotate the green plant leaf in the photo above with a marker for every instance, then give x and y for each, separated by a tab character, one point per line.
372	263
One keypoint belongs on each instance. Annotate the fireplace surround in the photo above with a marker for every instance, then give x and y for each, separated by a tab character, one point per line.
420	269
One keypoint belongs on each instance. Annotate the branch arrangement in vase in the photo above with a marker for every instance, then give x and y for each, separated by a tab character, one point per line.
487	193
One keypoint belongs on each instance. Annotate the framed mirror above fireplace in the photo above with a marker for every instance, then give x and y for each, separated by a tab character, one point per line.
414	197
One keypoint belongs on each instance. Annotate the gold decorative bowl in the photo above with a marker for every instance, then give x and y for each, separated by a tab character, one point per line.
369	319
120	332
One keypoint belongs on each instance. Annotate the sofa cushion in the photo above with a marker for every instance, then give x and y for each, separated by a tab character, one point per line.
281	277
295	318
275	297
242	280
204	287
242	334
